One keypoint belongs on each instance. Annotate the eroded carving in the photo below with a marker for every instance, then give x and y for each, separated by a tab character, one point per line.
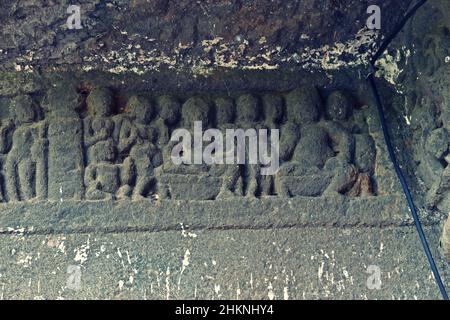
319	152
84	146
102	174
25	163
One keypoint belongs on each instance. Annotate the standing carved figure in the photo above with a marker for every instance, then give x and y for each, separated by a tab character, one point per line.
273	115
230	173
248	114
26	162
6	130
101	175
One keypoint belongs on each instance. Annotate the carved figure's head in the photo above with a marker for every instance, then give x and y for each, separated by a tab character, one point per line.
141	109
100	102
338	107
195	109
225	110
24	109
248	109
303	105
169	109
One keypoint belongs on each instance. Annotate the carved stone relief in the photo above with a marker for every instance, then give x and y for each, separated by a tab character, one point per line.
73	145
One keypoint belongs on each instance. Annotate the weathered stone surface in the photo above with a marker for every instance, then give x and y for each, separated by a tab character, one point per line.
292	263
445	241
95	143
86	182
421	101
103	216
140	36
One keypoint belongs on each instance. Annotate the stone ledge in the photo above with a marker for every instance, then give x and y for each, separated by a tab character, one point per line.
121	216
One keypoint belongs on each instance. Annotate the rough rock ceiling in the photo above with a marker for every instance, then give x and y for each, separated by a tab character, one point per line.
194	36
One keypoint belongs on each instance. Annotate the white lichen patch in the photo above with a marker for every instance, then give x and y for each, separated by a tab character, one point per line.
138	54
25	260
354	52
81	253
19	231
57	243
389	66
187	234
185	262
271	293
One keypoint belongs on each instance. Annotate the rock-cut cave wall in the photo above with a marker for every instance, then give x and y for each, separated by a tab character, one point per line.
86	118
422	103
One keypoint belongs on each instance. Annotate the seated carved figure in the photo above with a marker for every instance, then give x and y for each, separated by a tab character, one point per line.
321	159
102	175
25	162
136	139
302	107
357	148
300	175
188	181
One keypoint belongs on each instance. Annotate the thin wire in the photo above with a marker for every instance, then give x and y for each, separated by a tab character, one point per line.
396	31
391	152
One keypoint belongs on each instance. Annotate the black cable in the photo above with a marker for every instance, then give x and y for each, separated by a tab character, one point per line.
404	184
391	152
396	31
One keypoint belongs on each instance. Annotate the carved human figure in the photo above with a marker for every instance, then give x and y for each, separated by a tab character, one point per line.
302	108
195	109
26	162
248	115
6	130
98	124
173	176
273	114
313	148
324	150
101	174
355	148
339	164
338	106
169	115
230	173
137	138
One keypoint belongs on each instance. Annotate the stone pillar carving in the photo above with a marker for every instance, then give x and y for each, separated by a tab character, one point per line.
65	144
